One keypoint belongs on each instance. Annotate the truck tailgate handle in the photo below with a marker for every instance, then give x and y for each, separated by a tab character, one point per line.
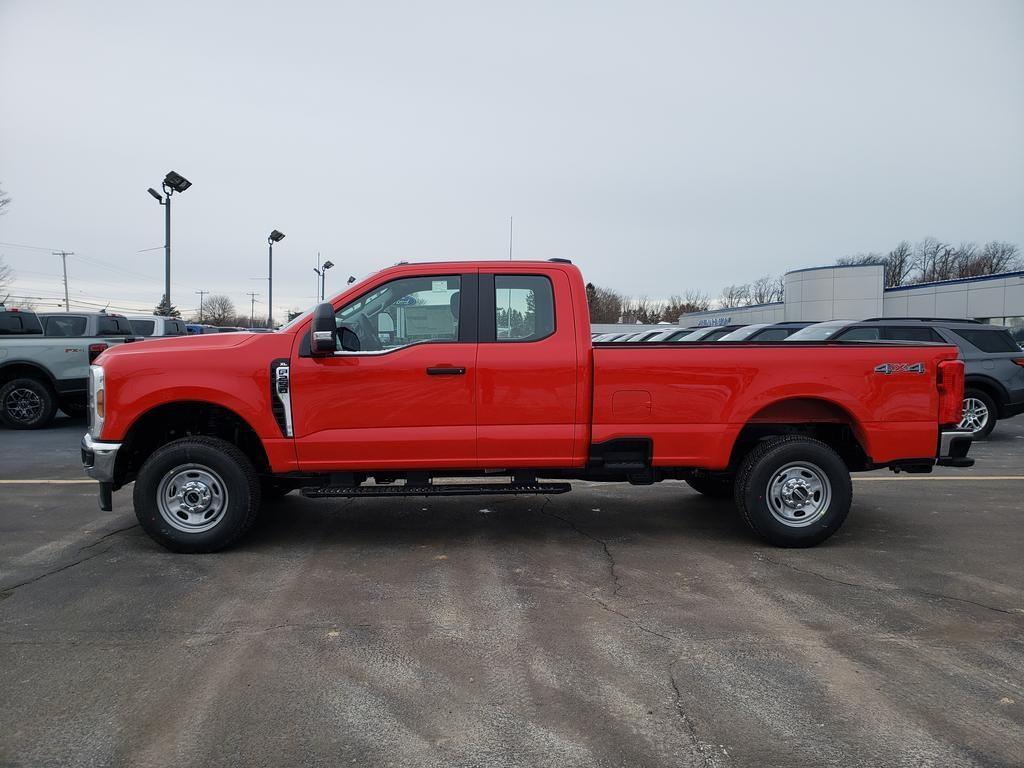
445	371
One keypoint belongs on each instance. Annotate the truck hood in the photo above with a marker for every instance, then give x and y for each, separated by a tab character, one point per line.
212	341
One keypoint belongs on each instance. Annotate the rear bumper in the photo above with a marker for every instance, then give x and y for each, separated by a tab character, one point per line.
953	447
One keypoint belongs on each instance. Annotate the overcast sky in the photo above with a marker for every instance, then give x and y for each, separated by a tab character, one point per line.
661	146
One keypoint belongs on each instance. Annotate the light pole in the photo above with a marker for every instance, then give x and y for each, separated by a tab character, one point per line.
322	272
273	237
173	182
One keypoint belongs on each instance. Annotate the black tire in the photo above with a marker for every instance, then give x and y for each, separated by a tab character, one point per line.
27	404
712	487
761	485
991	412
229	477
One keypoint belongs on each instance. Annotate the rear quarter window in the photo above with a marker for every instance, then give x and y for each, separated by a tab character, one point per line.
143	327
988	340
114	326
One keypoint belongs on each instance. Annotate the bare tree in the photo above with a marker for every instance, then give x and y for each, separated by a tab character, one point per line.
767	290
641	310
996	257
5	200
6	277
218	310
734	296
898	264
691	301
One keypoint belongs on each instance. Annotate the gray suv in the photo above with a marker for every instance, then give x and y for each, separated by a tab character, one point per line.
994	362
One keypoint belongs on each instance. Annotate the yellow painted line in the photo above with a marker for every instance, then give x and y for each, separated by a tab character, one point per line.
957	478
45	482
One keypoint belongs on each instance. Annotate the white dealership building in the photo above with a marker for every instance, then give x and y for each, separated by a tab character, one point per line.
858	292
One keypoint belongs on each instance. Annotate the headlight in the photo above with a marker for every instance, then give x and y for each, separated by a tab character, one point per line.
97	400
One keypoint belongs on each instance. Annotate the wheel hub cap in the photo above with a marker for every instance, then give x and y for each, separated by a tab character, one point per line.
192	498
23	404
975	415
798	494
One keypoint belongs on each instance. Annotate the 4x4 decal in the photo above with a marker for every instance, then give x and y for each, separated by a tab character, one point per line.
889	368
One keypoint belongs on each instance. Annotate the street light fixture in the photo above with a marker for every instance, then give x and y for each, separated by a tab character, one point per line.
322	271
273	237
173	182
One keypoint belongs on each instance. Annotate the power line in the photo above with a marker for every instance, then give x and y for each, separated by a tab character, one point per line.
252	307
201	295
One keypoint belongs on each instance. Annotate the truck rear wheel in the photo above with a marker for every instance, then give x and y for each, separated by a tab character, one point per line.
197	494
793	491
27	404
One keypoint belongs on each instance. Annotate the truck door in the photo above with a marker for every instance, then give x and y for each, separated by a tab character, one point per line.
526	371
407	398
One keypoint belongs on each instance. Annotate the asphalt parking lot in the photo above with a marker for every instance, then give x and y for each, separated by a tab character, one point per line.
610	626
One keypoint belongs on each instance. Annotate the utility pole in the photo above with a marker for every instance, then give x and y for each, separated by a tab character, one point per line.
201	295
252	307
64	260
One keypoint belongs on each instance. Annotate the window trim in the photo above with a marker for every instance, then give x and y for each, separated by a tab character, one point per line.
488	317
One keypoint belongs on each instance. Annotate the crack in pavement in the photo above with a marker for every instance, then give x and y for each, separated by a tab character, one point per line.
765	559
7	591
706	751
604	545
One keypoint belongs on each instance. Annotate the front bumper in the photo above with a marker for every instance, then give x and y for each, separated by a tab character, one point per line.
953	447
99	459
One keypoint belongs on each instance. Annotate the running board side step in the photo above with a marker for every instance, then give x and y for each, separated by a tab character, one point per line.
454	489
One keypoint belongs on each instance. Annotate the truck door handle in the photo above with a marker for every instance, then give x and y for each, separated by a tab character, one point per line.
446	371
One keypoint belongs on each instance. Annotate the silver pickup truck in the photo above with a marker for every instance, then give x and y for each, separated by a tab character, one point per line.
41	372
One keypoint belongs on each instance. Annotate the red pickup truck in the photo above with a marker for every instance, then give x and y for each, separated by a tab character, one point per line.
481	378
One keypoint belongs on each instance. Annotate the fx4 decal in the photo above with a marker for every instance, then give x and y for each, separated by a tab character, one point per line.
889	368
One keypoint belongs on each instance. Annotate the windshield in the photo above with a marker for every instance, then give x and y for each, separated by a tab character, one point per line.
819	332
743	333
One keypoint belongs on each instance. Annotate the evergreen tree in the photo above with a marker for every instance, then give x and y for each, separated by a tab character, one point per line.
166	310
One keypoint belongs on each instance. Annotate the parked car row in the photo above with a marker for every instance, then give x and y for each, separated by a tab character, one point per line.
45	357
994	363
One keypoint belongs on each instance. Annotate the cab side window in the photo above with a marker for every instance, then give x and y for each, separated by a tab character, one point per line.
410	310
524	307
904	333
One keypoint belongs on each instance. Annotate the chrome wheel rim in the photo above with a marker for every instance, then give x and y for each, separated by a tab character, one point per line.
192	498
23	405
975	415
799	494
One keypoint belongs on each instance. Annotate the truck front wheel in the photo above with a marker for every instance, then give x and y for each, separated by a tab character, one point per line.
27	404
793	491
197	494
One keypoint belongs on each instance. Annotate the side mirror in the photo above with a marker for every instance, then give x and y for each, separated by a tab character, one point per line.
323	333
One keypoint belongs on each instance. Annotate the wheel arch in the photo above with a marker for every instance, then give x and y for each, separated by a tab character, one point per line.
989	386
185	418
12	369
808	416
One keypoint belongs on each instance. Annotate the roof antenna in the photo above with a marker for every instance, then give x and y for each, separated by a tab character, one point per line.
510	238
